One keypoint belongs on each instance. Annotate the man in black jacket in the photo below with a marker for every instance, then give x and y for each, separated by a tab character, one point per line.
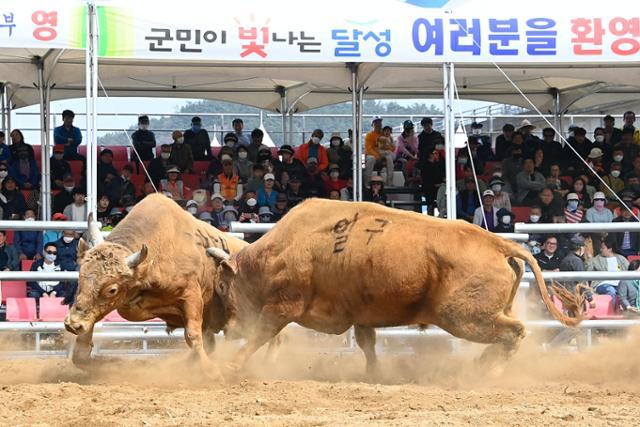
548	259
627	242
198	139
427	140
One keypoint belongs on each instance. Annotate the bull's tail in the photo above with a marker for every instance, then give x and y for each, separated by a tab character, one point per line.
570	300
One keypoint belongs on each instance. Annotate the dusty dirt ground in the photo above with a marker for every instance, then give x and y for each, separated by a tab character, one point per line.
597	387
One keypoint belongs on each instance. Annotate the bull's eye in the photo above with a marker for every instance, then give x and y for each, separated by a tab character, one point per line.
113	291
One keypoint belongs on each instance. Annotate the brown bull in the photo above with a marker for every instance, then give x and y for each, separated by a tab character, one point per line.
153	264
328	265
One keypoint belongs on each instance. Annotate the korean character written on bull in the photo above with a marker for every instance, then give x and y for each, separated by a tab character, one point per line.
464	31
8	22
433	33
348	42
502	32
257	39
541	36
194	36
622	28
588	35
307	44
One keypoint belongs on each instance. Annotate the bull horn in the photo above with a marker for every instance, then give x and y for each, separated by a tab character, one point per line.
94	237
136	258
218	254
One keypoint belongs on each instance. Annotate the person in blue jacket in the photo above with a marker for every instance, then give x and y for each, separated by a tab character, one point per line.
25	170
69	136
67	250
28	243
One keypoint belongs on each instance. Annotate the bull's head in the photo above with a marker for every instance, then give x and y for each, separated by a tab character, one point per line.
225	291
107	272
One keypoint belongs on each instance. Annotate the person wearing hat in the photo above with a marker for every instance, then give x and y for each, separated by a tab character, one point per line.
376	158
613	181
68	136
486	215
231	140
375	192
573	212
238	129
599	212
228	183
25	170
484	152
281	207
613	135
531	142
340	155
174	186
529	183
333	181
217	207
198	141
77	211
265	215
192	208
594	159
228	215
58	167
206	217
181	155
505	221
627	242
144	141
267	195
501	197
289	164
503	142
313	149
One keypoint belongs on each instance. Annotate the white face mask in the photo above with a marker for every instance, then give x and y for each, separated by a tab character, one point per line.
615	173
50	257
600	138
30	219
571	134
242	154
534	218
192	210
180	140
144	127
506	219
618	158
67	239
498	174
69	188
476	131
3	174
334	175
496	188
315	140
165	156
251	202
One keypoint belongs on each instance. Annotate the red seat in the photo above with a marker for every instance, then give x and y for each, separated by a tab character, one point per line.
13	289
21	309
25	264
521	213
138	182
120	153
200	167
567	180
9	236
274	152
37	153
191	180
26	194
52	310
82	150
604	309
215	151
76	169
119	164
633	257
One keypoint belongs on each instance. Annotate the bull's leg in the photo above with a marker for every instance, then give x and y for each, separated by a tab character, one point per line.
274	348
81	355
507	333
192	312
209	337
366	339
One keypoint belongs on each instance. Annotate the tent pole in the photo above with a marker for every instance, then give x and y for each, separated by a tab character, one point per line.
557	113
91	81
46	160
3	110
8	111
355	136
283	113
44	184
361	143
290	128
449	127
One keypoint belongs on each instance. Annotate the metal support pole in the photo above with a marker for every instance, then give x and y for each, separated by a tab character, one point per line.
284	107
355	142
360	143
91	84
449	128
46	160
557	112
290	128
8	110
45	182
3	111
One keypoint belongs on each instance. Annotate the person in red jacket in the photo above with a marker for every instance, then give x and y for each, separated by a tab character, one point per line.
333	181
314	149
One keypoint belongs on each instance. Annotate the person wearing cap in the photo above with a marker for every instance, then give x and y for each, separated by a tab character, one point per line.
217	206
628	122
375	192
314	183
28	243
501	198
231	140
25	170
174	186
144	141
607	260
289	163
265	159
228	215
573	212
594	160
5	150
281	208
158	167
238	128
58	167
267	195
265	215
599	212
487	213
503	142
627	242
613	135
228	183
340	155
68	136
333	181
313	149
181	155
483	148
376	158
529	183
574	261
12	201
206	217
296	192
77	211
613	181
198	141
192	208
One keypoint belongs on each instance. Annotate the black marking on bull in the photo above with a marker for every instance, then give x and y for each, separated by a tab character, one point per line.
341	231
374	231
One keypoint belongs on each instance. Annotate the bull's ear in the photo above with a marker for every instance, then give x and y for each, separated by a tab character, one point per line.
83	247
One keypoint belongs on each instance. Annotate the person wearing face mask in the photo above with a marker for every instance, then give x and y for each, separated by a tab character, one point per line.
599	211
28	243
313	149
63	198
242	165
501	197
122	186
600	141
333	181
231	140
25	170
192	208
144	141
613	181
198	141
181	155
68	249
11	200
340	155
483	150
47	263
5	151
573	213
265	215
267	195
228	182
505	221
158	167
242	137
629	149
58	168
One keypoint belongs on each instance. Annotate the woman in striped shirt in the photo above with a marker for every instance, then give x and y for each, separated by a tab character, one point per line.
573	212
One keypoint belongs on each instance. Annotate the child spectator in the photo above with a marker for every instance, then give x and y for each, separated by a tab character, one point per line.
375	193
77	211
28	244
104	208
8	255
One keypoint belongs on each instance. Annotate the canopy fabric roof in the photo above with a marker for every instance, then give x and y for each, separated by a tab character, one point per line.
582	87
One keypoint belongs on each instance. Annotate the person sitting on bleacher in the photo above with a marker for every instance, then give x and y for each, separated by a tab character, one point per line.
122	186
501	197
265	159
529	183
68	136
52	235
28	243
267	195
574	261
253	147
175	186
25	170
8	255
17	142
106	171
505	221
144	141
228	183
198	141
629	291
242	165
158	167
181	155
289	163
599	212
5	151
48	263
11	200
58	168
103	209
77	211
68	249
607	260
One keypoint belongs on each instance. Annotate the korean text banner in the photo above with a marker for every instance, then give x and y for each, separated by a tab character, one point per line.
58	24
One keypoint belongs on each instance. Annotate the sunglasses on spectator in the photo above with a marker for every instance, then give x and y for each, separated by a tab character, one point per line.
4	169
376	183
52	252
